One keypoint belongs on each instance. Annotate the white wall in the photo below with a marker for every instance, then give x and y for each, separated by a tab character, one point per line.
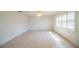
72	36
12	24
40	23
1	22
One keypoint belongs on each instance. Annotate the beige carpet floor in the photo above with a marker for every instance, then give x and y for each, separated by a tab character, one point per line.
38	39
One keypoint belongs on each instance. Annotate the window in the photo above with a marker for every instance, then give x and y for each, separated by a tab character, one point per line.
66	21
71	21
58	20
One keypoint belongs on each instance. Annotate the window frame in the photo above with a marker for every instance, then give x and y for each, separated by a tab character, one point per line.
75	22
67	22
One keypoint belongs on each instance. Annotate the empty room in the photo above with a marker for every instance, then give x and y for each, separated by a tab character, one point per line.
39	29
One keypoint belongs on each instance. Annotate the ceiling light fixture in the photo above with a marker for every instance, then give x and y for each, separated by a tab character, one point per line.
19	11
39	13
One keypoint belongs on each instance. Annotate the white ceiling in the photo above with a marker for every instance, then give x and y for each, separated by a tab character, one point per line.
34	13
